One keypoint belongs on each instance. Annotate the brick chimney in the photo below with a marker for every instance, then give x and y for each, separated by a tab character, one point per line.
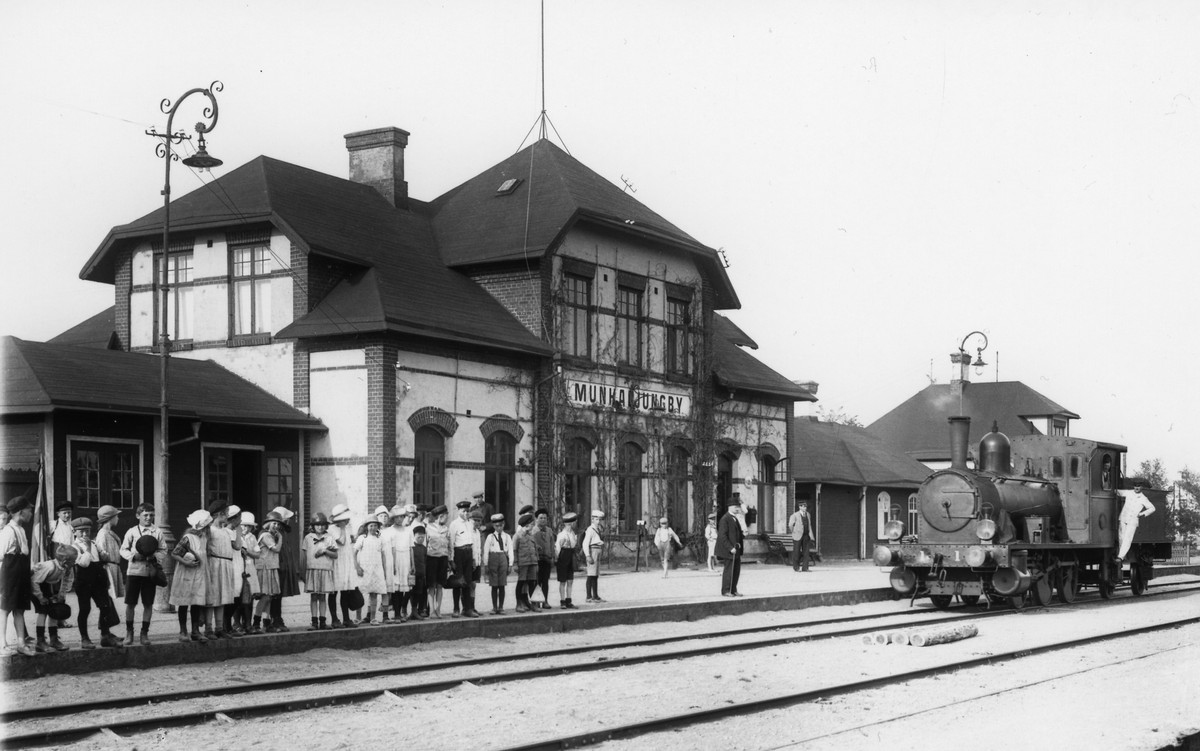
963	361
377	159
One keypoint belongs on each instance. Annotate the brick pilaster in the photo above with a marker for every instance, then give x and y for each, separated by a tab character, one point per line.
381	424
124	287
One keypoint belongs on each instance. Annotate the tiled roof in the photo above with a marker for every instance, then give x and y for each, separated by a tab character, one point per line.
408	289
919	426
41	377
474	225
739	370
99	331
843	454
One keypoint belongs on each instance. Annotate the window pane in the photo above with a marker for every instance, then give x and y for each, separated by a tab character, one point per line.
243	321
183	308
262	306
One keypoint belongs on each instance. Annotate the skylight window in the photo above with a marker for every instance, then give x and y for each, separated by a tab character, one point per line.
508	186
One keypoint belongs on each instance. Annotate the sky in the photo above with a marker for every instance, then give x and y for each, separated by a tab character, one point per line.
884	177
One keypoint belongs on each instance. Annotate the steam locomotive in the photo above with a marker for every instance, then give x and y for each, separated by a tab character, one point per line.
1049	527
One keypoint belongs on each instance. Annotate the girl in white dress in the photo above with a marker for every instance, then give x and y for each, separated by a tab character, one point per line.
189	581
370	561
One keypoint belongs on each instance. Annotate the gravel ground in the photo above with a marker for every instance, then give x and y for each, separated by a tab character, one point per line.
1144	702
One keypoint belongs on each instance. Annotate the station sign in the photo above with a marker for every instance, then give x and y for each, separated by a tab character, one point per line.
589	395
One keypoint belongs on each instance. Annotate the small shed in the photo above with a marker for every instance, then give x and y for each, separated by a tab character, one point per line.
854	483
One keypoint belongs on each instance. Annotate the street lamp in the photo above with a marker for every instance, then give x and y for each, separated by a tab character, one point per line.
979	363
200	160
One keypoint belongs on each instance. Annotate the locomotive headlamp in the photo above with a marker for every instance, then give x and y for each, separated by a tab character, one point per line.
894	529
884	556
985	529
977	557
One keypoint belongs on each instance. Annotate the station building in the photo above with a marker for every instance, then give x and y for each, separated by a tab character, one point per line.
535	333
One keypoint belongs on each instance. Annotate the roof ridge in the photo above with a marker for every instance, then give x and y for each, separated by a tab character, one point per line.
16	344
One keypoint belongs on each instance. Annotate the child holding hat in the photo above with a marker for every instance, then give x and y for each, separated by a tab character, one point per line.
139	578
51	581
189	582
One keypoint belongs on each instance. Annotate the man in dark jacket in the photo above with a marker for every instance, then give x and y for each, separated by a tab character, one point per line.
729	550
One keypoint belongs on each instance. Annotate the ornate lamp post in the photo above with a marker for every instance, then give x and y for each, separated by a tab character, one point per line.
979	364
200	160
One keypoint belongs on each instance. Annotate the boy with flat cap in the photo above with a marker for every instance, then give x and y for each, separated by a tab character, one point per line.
91	585
462	539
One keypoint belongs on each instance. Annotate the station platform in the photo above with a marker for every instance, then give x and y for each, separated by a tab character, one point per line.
687	594
645	596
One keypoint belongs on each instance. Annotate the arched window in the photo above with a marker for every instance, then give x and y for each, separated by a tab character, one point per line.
429	473
499	475
914	514
766	493
724	482
629	486
677	487
577	475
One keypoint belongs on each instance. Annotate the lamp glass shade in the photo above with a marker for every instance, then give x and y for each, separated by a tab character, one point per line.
202	160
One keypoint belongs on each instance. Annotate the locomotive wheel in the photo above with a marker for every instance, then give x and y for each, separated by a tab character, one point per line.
1137	581
1068	584
969	600
1107	589
1041	590
941	602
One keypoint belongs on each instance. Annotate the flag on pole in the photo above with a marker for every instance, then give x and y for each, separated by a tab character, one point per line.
40	534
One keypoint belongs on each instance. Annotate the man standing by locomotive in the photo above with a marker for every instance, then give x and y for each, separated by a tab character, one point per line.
801	528
729	550
1136	506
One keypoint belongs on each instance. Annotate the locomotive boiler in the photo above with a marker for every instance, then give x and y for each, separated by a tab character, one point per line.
1037	515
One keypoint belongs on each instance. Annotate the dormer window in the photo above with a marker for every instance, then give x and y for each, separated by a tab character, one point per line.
508	186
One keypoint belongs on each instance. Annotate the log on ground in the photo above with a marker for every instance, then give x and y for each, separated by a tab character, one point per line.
945	635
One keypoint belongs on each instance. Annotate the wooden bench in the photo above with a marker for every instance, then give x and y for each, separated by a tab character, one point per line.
781	546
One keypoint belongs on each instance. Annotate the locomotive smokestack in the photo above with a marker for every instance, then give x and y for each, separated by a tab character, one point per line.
960	429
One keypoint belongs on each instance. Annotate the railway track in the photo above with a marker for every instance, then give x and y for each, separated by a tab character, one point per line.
62	734
712	714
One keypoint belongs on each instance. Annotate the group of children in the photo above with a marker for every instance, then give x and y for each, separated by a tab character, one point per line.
230	576
398	563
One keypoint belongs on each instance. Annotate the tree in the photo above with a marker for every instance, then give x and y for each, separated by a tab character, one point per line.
838	415
1153	473
1187	513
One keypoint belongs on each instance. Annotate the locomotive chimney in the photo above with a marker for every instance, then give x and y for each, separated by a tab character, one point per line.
960	428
